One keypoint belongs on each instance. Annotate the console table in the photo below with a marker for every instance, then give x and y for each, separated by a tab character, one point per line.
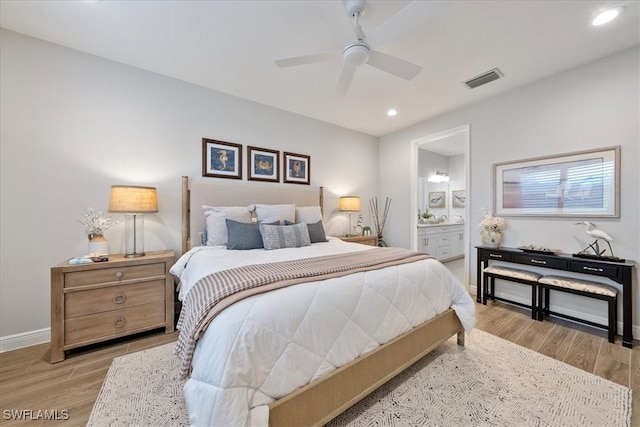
617	271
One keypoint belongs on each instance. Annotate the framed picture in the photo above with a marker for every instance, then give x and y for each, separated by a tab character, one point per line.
263	164
297	168
581	185
437	199
221	159
458	199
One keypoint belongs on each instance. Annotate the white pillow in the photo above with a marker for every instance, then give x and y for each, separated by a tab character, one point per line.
216	222
273	213
308	214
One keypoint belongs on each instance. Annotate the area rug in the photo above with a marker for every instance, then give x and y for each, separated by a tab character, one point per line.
489	382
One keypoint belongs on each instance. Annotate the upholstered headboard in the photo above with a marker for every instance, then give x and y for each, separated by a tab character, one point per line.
216	192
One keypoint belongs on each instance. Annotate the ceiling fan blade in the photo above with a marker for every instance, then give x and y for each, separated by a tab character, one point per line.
306	59
346	77
404	20
392	65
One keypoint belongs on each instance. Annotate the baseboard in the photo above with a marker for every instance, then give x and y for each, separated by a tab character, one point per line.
635	330
25	339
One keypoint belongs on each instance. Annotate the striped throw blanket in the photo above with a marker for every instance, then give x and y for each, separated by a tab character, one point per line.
216	291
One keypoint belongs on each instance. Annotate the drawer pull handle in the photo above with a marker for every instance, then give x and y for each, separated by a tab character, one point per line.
592	269
537	261
495	256
120	298
118	274
120	322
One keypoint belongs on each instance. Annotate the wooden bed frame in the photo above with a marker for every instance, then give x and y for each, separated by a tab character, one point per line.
322	400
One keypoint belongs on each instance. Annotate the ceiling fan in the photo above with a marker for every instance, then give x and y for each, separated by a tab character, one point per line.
362	50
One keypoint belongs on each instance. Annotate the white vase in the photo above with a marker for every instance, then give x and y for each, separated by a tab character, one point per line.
98	245
491	238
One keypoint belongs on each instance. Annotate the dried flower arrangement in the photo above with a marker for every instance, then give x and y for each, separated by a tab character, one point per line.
95	222
493	223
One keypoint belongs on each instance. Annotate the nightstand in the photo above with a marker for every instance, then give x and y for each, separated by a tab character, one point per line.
363	240
100	301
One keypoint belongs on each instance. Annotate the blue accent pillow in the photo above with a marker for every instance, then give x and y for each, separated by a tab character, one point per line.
284	236
243	236
316	231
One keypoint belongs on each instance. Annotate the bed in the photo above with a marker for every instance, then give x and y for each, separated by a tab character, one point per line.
301	354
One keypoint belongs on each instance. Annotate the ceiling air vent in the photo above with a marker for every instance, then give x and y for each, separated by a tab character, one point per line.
484	78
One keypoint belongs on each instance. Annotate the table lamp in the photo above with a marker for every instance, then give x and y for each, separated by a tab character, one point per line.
349	204
134	202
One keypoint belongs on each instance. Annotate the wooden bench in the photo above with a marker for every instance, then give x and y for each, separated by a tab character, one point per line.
523	277
579	287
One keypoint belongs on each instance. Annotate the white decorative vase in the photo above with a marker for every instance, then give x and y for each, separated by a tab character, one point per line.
98	245
491	238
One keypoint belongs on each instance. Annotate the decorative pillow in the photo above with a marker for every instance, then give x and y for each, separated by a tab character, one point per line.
216	225
271	213
316	232
284	236
308	214
244	236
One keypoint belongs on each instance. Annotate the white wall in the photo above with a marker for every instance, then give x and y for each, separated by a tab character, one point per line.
75	124
457	174
593	106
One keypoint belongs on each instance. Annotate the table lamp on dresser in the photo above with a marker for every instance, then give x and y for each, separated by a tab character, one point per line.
134	202
349	204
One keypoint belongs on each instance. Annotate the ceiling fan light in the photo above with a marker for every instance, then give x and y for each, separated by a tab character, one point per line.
356	54
607	16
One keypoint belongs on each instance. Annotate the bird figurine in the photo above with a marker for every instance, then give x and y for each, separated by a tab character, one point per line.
593	231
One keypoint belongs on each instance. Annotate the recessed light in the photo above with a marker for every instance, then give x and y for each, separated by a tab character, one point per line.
392	112
607	16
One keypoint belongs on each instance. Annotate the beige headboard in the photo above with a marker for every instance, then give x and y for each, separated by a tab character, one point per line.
217	192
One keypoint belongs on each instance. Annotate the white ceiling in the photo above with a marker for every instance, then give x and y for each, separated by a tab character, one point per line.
230	46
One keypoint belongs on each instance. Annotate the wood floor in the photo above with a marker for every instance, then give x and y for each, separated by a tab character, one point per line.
28	381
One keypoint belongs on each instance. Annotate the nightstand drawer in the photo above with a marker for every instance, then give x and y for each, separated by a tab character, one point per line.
110	298
113	274
97	327
363	240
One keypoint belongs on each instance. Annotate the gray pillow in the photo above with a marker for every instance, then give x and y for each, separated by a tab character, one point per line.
284	236
243	235
316	232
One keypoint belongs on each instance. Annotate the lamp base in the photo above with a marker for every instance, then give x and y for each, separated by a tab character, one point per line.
134	235
134	255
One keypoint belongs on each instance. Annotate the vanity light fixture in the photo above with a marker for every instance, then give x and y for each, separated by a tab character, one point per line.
392	112
439	177
607	16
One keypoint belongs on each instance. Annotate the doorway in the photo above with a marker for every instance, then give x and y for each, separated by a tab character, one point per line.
441	170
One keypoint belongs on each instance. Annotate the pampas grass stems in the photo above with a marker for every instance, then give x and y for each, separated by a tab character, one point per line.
379	222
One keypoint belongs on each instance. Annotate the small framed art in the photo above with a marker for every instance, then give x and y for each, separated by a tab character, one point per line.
263	164
297	168
458	199
437	199
221	159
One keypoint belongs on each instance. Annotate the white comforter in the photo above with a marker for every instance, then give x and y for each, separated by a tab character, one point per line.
268	345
